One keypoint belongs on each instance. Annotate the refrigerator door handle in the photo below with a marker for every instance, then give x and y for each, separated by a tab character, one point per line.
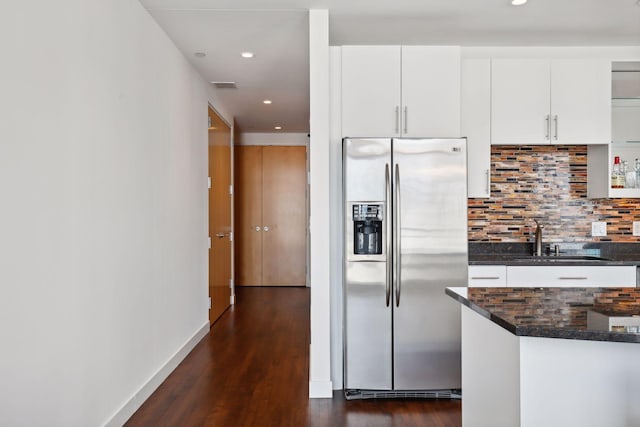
397	258
387	197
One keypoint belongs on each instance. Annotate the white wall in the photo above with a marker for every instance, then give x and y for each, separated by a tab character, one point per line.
259	138
337	236
103	248
320	349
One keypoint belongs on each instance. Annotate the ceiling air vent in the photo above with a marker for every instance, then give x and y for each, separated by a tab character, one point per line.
225	85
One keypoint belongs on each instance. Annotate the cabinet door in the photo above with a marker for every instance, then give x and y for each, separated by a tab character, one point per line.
248	215
370	91
431	91
494	276
476	124
520	101
571	276
581	101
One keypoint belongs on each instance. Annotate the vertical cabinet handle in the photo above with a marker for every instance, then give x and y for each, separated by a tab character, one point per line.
488	181
398	248
387	197
555	121
397	119
547	126
405	118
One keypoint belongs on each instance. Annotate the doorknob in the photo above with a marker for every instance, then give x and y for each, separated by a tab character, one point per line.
266	228
219	235
257	228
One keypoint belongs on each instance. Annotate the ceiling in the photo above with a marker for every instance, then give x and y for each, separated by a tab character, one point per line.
277	32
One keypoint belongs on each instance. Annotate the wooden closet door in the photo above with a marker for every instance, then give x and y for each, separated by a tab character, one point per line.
284	213
248	215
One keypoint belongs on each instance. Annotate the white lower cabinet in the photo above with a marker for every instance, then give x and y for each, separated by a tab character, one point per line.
552	276
488	276
571	276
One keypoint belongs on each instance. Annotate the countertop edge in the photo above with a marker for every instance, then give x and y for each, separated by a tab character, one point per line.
545	332
481	311
542	263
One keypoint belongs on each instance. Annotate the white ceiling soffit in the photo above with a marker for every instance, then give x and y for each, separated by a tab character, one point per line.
277	32
463	22
278	72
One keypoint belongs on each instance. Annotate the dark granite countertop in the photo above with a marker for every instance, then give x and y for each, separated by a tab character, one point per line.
552	312
578	254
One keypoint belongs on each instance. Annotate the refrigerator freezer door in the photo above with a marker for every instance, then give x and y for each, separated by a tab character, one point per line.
432	255
368	318
364	164
368	363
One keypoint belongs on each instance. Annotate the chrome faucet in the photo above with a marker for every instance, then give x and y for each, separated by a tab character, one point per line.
538	243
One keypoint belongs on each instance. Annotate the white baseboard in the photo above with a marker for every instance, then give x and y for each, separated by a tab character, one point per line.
320	390
136	401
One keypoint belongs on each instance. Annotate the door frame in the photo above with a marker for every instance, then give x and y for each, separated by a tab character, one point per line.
232	130
285	139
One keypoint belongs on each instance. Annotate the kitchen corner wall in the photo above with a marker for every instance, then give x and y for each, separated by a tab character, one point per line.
548	183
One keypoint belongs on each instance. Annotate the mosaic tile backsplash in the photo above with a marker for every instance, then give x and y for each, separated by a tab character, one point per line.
548	183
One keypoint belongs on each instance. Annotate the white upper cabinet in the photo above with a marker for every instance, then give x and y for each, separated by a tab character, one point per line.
430	91
542	101
520	101
370	91
581	101
392	91
476	124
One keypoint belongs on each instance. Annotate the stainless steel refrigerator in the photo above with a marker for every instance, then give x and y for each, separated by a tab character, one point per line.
405	223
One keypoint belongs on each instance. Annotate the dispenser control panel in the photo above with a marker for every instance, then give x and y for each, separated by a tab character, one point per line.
367	229
367	212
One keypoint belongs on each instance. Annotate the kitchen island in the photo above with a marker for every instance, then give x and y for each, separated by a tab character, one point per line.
529	359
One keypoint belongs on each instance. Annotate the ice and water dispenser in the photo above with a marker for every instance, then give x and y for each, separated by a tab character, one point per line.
367	229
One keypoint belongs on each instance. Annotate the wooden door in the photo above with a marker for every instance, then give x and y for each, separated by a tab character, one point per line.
219	216
248	215
270	216
284	216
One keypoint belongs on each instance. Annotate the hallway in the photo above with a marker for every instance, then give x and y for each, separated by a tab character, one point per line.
252	370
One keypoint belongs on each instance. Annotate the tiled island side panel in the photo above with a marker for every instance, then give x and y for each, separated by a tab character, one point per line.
548	183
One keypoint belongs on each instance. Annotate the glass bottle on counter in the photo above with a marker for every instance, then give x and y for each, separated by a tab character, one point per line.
617	178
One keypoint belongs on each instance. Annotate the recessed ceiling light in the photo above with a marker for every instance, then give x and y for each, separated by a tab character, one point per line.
518	2
278	127
266	101
247	54
199	54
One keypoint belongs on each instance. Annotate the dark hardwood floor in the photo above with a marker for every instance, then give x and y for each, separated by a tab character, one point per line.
252	370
